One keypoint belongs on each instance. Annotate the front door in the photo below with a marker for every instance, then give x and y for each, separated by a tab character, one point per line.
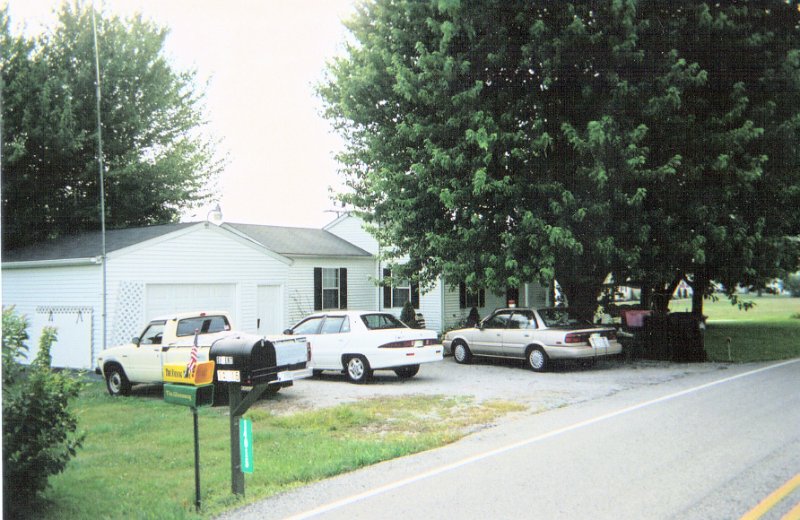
488	340
270	310
144	362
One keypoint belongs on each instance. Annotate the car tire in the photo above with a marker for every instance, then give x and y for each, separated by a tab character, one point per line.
461	353
357	369
116	381
407	372
538	360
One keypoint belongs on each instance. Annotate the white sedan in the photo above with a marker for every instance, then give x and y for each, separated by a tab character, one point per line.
358	342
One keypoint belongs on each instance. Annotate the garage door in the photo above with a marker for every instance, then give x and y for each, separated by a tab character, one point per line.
165	299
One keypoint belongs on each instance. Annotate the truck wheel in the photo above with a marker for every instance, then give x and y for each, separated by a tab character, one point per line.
117	382
407	372
357	369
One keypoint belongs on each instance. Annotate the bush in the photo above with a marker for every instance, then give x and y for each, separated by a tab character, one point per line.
792	284
39	431
409	316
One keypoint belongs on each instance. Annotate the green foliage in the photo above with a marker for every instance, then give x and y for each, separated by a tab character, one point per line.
156	162
408	315
792	284
504	142
39	430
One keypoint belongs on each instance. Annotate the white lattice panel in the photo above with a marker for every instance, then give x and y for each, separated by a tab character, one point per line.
129	312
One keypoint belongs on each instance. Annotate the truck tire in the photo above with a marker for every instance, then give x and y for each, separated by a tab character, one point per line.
116	381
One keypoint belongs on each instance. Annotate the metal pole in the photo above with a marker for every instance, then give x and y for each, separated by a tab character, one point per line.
102	176
196	461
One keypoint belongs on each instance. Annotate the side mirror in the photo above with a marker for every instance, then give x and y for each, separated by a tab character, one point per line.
135	340
288	332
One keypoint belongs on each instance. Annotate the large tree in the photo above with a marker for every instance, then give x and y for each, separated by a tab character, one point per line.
502	142
156	161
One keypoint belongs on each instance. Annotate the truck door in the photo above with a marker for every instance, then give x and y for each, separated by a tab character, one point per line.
144	362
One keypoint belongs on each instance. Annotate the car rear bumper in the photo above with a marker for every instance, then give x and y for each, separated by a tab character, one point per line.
400	357
583	352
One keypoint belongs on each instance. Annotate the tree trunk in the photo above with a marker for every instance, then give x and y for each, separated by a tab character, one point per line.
699	285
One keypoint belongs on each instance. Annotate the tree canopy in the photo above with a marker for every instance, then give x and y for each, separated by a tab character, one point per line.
500	142
156	161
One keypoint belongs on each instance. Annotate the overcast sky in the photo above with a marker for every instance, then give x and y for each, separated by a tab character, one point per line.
262	58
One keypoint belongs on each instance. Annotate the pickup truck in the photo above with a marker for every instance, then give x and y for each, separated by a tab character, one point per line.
169	340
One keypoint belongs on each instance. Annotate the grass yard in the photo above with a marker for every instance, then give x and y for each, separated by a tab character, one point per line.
768	331
138	461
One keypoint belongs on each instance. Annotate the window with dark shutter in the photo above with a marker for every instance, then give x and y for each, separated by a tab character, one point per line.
468	299
399	292
330	288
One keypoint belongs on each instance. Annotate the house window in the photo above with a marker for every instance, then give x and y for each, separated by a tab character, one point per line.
469	298
330	288
402	291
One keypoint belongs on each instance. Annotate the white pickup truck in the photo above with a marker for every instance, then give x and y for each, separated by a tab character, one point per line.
169	341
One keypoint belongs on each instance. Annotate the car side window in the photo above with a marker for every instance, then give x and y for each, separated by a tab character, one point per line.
333	325
522	320
152	334
498	321
309	326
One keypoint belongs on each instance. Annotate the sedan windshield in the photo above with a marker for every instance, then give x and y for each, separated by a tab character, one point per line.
381	321
562	318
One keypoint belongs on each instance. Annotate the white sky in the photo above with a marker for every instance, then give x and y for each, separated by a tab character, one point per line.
262	58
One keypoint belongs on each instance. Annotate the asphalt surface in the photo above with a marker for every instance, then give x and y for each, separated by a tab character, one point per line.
638	440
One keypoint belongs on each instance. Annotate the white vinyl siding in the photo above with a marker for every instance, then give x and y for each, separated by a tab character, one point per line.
351	228
199	256
68	296
361	289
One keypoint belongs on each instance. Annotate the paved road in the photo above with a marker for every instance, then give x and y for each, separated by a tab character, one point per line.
711	445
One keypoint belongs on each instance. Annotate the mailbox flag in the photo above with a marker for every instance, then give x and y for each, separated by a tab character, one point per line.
192	357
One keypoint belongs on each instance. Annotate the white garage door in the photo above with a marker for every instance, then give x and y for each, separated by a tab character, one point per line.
165	299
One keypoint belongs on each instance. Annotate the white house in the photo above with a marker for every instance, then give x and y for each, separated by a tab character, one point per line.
267	277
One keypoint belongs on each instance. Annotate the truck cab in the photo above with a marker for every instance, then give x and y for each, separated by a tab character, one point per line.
169	340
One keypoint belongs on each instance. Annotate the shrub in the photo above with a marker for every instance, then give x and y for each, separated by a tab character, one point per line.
39	431
408	316
792	284
473	318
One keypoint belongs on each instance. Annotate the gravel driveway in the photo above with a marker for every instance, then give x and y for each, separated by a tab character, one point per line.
487	379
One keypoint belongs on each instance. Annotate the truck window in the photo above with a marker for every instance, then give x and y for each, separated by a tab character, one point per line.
152	334
202	324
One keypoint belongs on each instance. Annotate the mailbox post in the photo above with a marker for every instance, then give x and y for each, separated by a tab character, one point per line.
244	360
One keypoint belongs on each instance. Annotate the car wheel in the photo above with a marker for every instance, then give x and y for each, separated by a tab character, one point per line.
357	369
461	353
407	372
117	382
537	359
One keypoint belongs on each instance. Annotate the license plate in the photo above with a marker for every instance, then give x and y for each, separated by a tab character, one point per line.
229	376
598	341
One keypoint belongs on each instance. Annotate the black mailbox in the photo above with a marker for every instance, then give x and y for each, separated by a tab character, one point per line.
245	359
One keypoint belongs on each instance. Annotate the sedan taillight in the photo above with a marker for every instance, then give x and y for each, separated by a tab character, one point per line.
411	343
308	351
573	338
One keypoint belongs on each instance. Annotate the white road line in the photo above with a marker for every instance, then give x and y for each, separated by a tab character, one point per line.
499	451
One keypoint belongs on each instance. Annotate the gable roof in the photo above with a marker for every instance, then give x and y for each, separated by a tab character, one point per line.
281	240
89	244
291	241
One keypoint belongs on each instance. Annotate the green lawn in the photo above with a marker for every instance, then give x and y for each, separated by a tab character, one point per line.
769	331
138	460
